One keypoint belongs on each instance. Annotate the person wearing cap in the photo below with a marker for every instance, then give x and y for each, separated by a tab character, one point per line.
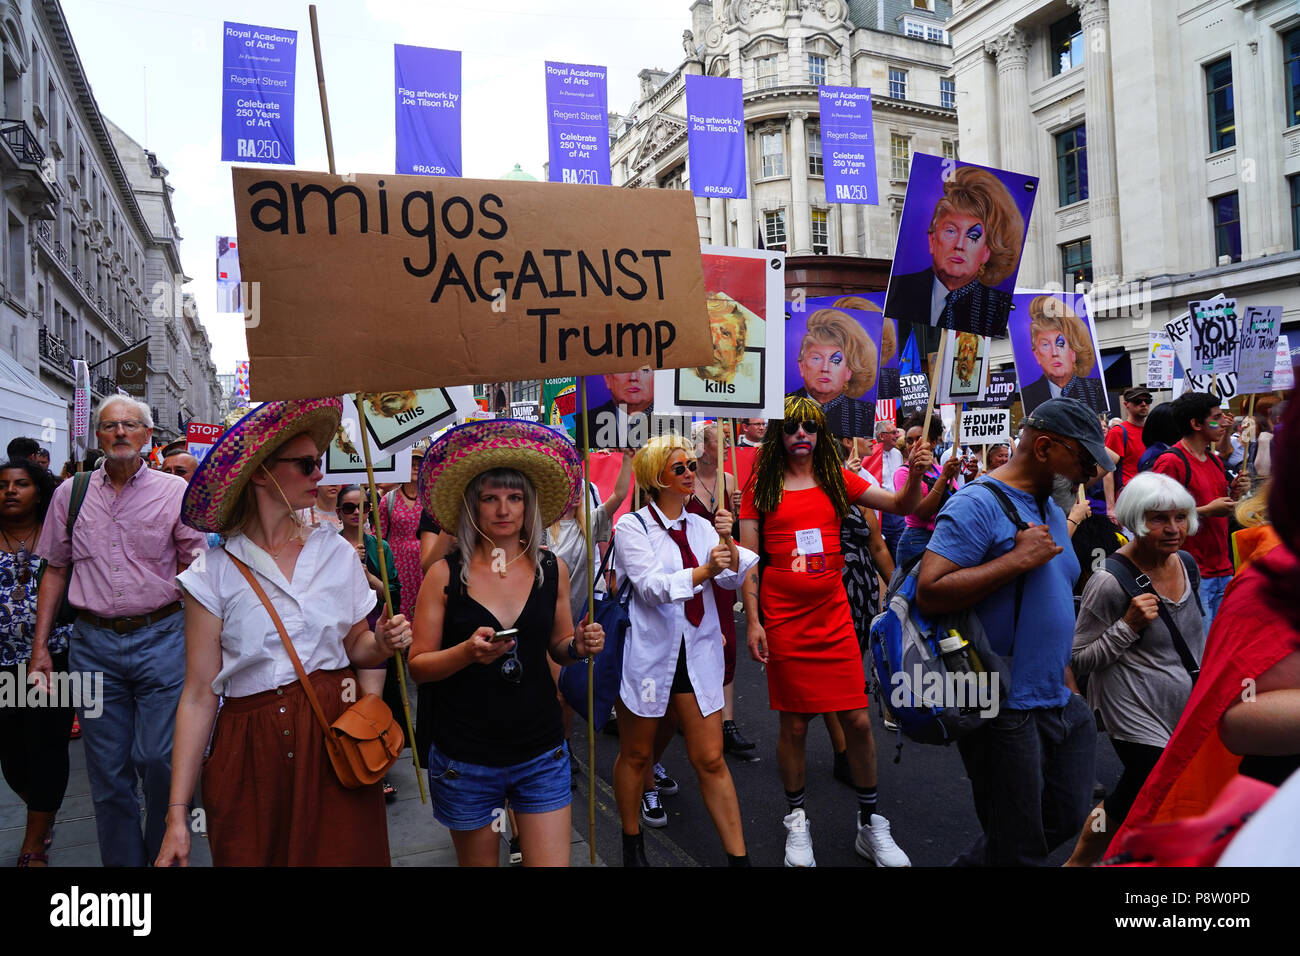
1031	766
488	618
1125	439
270	794
119	566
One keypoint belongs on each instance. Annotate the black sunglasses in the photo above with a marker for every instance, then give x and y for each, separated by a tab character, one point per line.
512	668
306	463
682	467
349	508
791	426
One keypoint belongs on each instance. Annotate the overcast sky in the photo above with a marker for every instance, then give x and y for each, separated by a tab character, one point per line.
156	72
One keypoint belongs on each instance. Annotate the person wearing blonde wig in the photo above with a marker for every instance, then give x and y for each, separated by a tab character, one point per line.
1063	349
673	655
975	239
837	361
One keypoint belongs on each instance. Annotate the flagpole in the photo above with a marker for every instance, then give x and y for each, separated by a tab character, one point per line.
591	611
365	443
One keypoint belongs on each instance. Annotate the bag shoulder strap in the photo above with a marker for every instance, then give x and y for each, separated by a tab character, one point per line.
288	645
1134	582
1193	577
80	485
1013	515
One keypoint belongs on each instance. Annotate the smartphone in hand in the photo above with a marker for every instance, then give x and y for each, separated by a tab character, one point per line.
509	634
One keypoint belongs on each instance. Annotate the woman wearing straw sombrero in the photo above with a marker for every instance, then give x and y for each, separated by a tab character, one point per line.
487	618
270	793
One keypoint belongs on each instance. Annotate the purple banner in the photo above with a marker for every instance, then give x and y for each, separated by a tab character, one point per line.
716	137
848	144
577	117
427	97
257	82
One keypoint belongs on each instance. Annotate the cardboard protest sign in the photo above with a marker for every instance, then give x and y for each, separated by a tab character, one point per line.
914	397
398	418
1257	350
985	426
834	346
1160	360
1000	391
1054	346
462	281
1283	372
965	369
744	373
1179	331
1214	336
943	239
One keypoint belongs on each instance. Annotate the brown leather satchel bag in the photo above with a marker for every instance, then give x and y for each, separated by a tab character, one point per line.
365	741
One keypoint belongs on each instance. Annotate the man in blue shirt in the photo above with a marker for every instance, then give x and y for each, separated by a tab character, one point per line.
1032	766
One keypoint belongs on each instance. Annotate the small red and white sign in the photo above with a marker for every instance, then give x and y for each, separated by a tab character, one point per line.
202	433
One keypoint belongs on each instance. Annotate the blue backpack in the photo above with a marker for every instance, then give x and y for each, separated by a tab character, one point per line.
612	615
929	705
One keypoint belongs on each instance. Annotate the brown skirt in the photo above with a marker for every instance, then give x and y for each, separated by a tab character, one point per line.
270	793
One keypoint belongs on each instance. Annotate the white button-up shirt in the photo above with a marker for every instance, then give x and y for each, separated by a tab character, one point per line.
661	586
329	593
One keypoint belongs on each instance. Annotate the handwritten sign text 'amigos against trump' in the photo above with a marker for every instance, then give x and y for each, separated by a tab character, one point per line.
421	281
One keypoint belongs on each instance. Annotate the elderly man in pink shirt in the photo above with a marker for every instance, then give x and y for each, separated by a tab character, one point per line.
126	548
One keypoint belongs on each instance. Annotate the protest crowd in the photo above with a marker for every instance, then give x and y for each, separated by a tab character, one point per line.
1126	581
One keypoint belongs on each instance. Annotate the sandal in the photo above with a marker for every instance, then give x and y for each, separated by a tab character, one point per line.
49	837
27	859
76	729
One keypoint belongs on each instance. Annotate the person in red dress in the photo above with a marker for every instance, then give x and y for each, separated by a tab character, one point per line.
799	622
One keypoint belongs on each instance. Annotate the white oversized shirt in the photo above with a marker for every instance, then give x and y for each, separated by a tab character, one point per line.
329	593
661	586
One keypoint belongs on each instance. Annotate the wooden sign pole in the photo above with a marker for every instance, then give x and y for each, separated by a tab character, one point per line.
591	606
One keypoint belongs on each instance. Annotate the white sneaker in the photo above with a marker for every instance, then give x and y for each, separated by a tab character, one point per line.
875	843
798	841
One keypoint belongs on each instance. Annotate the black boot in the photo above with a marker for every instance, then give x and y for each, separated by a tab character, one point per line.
732	741
634	850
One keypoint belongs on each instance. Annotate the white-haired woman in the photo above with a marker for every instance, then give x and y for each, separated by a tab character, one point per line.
1139	676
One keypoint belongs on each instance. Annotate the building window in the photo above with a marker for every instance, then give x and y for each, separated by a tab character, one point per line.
1076	263
1218	89
897	84
947	92
1295	211
900	156
774	230
936	34
1227	227
766	72
772	148
1291	75
949	150
914	28
1067	44
1072	164
815	167
816	70
821	244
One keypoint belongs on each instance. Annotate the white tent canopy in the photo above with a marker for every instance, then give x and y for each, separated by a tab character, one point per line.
29	408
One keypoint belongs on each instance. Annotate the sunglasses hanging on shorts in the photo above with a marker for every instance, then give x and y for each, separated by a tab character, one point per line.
682	468
791	426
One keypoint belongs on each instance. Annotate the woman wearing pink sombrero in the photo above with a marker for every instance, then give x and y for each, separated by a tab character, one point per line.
487	618
270	793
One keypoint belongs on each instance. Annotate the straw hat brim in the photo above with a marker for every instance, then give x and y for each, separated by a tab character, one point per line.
549	462
220	479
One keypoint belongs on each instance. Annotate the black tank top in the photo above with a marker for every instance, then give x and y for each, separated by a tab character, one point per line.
480	716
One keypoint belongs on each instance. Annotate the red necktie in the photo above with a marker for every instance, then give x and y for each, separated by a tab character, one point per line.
695	606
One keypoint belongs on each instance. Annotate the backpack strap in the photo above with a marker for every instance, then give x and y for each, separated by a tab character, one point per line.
1013	515
1134	582
80	485
1194	576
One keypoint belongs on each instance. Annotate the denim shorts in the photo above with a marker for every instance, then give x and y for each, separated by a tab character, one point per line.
469	796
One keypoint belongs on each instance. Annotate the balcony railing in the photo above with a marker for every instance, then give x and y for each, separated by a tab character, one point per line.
76	275
21	141
104	385
43	230
60	252
54	351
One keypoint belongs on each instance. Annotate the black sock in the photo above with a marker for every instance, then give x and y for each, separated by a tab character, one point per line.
742	860
795	799
867	797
